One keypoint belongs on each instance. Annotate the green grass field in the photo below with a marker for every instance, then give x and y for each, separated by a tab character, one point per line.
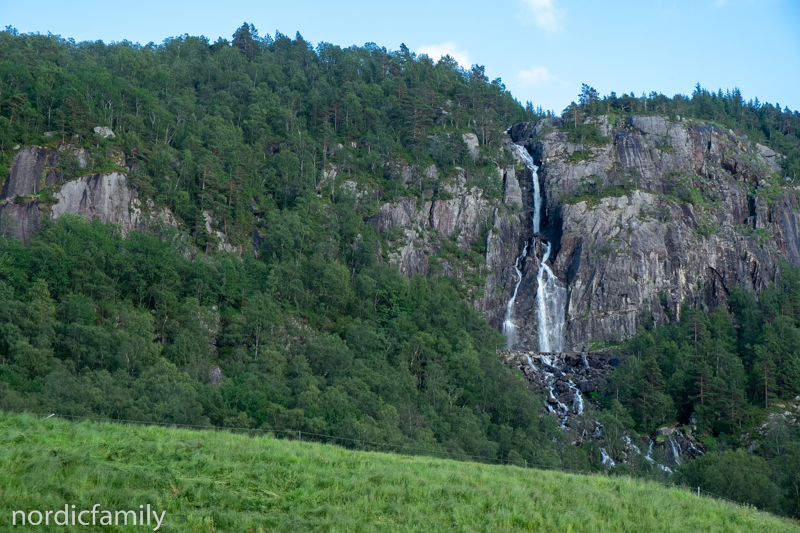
217	481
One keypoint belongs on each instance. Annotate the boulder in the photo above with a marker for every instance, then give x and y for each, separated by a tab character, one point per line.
103	131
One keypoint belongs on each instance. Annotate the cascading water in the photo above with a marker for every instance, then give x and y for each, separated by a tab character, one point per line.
631	445
607	460
551	299
649	455
675	453
551	295
555	379
537	196
509	328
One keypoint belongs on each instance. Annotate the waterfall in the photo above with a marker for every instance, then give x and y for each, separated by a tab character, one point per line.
530	362
509	328
537	196
631	446
649	455
551	377
551	294
607	460
675	453
551	299
577	405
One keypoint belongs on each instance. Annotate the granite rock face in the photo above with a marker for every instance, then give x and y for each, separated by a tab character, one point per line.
663	213
105	197
19	220
471	140
108	198
211	224
32	170
419	230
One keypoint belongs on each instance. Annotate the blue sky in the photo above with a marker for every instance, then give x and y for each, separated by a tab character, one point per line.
542	49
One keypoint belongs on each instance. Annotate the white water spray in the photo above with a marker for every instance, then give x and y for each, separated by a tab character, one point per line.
509	328
675	454
551	299
551	295
607	460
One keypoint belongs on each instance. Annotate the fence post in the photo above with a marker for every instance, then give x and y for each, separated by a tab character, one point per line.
299	436
526	463
698	492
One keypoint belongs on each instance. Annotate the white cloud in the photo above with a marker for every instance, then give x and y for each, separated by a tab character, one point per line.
435	51
542	13
536	76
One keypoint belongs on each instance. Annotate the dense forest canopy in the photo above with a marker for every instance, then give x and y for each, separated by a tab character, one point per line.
312	333
220	126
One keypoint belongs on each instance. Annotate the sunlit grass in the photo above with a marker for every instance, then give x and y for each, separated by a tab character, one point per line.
218	481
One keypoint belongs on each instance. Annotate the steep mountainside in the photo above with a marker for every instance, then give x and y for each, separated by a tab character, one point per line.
657	213
663	212
430	237
262	233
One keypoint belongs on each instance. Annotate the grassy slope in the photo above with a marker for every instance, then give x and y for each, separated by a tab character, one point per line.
217	481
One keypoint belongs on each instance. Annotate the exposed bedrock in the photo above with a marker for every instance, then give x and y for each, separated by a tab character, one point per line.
105	197
419	229
664	213
33	169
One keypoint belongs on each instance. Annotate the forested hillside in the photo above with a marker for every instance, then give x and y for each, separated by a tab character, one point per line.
312	334
233	126
269	302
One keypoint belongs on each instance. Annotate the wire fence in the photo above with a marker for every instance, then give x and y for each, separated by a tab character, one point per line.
367	445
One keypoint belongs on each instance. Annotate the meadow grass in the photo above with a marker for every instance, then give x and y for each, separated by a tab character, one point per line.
218	481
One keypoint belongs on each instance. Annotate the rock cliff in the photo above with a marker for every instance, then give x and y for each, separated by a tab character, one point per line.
419	231
660	212
663	212
105	197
